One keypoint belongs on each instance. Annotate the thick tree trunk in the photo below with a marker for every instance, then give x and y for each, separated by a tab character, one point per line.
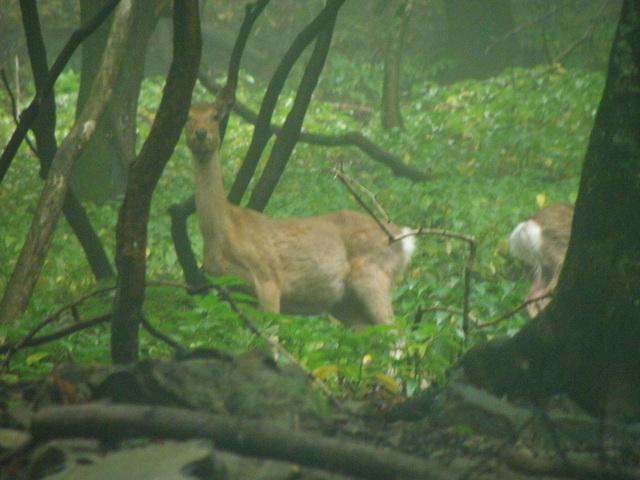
587	341
145	171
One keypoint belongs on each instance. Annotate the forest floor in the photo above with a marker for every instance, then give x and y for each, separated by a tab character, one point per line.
221	416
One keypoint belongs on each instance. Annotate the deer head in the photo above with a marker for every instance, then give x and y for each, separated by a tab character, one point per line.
202	127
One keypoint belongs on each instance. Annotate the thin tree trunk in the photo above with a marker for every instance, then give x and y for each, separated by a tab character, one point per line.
390	105
145	171
262	132
34	250
44	131
288	136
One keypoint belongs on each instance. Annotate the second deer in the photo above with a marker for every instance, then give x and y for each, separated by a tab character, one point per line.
541	241
341	262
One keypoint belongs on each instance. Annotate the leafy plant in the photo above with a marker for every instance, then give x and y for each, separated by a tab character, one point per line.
495	150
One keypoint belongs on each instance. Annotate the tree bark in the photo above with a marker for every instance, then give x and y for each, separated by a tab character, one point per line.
390	115
145	171
100	174
586	342
33	253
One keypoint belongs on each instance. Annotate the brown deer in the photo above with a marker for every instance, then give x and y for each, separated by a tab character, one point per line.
341	262
541	241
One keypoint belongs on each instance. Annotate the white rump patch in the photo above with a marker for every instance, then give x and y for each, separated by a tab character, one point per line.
408	244
525	242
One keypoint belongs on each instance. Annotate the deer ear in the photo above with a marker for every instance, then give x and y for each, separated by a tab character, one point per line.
225	99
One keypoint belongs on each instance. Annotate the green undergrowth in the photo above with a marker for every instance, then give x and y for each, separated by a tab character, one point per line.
494	150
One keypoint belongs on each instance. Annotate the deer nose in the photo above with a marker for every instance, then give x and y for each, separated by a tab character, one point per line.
201	133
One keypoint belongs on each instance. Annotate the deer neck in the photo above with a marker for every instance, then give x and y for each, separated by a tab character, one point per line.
211	202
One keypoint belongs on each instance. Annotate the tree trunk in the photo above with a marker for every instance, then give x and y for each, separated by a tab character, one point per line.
44	131
100	174
586	342
262	131
390	105
290	133
145	171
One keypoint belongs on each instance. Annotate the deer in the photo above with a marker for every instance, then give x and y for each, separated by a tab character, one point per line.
342	262
540	241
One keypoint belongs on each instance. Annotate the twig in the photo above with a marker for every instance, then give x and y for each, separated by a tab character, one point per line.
161	336
512	312
251	324
468	268
470	239
10	348
14	110
347	181
441	308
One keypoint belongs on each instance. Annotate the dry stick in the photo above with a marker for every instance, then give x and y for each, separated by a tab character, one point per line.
470	239
251	324
14	111
243	436
442	308
346	180
512	312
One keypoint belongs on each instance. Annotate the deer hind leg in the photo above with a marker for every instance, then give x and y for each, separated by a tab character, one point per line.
268	294
370	285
